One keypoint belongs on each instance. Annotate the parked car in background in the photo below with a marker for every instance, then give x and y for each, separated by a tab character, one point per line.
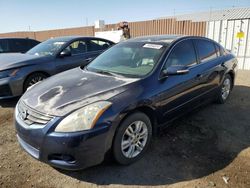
72	119
20	71
16	45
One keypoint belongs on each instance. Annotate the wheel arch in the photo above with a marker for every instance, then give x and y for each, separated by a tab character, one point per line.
148	111
36	72
232	75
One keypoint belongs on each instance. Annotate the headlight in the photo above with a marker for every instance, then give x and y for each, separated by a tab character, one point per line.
8	73
84	118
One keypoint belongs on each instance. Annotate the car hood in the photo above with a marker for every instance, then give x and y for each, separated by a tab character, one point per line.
70	90
14	60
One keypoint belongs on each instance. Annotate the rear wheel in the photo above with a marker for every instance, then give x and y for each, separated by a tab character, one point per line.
33	79
225	89
132	138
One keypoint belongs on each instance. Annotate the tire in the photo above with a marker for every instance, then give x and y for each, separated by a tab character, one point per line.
225	89
138	140
33	79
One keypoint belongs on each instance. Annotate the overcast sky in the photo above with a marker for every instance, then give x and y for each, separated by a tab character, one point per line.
35	15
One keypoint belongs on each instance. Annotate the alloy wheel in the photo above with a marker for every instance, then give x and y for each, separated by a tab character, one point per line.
226	88
35	80
134	139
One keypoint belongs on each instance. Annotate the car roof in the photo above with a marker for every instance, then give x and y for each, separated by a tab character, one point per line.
14	38
157	38
70	38
165	40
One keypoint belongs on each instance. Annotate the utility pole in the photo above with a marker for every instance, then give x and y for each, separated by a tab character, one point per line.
87	21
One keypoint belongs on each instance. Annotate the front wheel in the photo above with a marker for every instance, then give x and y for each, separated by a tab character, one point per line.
33	79
225	89
132	138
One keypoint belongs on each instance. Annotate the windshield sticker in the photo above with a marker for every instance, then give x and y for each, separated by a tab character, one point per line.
154	46
59	43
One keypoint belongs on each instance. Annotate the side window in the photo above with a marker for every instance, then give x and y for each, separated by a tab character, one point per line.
33	43
218	50
183	54
223	51
4	46
96	45
77	47
19	45
206	50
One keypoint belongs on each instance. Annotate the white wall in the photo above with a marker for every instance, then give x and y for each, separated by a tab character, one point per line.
225	32
115	36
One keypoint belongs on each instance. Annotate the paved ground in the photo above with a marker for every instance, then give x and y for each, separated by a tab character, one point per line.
197	151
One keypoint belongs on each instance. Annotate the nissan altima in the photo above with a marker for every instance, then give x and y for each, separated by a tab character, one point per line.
116	103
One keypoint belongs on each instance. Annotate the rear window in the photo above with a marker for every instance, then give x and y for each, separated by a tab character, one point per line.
96	45
206	50
4	47
33	43
19	45
218	50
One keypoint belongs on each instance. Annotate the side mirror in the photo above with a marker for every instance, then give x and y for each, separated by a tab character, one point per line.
174	70
65	53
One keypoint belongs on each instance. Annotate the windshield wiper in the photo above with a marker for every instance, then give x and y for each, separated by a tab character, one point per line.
106	73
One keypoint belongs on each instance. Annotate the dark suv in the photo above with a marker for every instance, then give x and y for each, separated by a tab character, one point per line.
15	45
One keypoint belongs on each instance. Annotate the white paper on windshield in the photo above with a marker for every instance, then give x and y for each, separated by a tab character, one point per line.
59	43
153	46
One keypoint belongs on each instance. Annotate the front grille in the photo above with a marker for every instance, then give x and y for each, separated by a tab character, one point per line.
32	117
5	91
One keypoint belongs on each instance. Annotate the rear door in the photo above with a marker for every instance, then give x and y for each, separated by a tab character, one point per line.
210	65
180	92
77	58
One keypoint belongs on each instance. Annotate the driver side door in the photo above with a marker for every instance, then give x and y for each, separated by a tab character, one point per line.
180	90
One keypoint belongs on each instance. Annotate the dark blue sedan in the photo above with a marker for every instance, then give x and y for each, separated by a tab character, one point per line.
73	119
20	71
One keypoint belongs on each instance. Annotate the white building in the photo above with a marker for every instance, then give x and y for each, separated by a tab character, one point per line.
230	27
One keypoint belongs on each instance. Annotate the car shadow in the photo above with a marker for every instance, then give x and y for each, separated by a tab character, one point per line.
9	103
196	145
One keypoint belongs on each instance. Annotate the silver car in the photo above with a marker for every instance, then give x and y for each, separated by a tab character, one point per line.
20	71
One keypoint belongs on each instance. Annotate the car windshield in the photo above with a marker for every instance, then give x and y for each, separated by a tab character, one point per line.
129	59
47	48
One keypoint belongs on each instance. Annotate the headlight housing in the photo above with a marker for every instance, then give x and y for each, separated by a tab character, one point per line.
84	118
8	73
